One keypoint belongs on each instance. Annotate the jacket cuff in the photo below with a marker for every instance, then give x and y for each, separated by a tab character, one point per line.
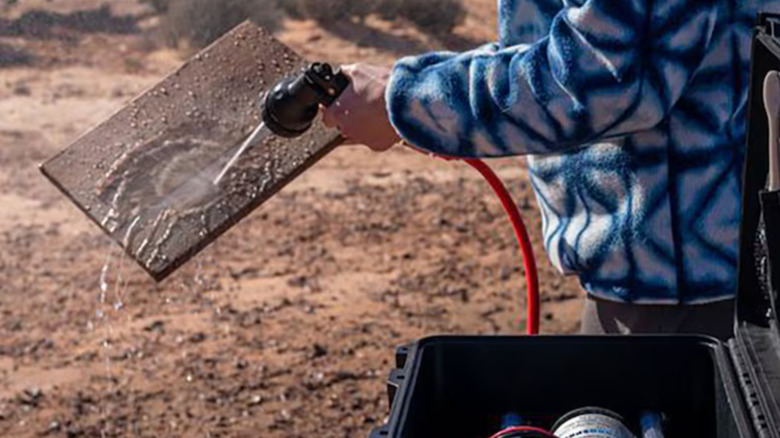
418	111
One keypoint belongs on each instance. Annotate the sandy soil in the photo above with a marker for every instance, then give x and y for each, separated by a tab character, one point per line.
285	327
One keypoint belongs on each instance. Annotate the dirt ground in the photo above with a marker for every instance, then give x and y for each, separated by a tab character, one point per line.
285	327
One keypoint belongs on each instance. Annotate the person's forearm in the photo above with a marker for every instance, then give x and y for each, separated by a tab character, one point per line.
606	69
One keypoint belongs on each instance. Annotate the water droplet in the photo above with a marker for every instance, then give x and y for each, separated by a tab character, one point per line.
104	278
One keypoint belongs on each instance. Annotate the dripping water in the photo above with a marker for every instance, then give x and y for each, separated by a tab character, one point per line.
112	285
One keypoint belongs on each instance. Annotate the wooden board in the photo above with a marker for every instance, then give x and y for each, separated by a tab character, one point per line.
145	175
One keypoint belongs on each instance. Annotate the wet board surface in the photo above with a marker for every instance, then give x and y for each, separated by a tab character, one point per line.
145	175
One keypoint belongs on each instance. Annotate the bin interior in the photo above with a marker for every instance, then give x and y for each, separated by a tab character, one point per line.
462	387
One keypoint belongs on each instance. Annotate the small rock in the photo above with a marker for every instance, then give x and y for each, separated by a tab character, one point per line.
21	89
319	351
300	281
30	397
156	326
198	338
256	400
442	222
506	273
461	228
342	376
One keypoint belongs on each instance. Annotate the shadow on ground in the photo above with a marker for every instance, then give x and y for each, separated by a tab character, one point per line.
13	56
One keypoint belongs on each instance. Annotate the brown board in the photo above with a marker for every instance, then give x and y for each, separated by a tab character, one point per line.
146	175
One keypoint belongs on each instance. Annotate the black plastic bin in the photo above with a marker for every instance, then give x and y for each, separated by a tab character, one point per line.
461	386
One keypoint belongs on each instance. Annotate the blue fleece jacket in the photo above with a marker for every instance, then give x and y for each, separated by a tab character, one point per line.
633	113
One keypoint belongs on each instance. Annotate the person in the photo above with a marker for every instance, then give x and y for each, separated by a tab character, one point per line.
632	114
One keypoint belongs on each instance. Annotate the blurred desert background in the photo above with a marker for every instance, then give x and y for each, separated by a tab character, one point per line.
287	325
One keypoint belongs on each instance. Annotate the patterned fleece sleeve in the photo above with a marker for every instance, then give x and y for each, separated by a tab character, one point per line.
607	68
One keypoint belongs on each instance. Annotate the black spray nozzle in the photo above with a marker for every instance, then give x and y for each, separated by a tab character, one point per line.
292	105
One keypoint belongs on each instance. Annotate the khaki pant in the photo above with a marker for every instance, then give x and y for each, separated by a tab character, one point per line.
607	317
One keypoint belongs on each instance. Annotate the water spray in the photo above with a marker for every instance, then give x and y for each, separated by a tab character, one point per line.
290	108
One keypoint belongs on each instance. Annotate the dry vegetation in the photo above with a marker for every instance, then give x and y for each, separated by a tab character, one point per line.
202	21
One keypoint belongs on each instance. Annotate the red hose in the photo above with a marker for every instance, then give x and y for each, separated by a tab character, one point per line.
529	261
523	429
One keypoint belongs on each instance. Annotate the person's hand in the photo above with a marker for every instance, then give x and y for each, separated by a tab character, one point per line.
360	112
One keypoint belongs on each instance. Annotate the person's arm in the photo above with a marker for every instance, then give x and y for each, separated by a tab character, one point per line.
607	68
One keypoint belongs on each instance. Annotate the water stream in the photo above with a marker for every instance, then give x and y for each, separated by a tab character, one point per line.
257	136
112	285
